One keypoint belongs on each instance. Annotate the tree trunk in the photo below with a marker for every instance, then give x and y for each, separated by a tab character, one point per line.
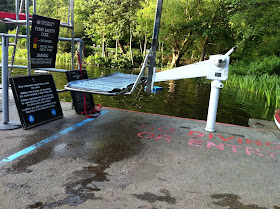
204	49
175	57
103	46
130	46
121	47
116	47
145	45
179	51
162	51
140	44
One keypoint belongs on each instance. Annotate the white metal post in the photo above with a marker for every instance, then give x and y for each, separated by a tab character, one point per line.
7	125
28	37
34	7
71	2
5	99
216	85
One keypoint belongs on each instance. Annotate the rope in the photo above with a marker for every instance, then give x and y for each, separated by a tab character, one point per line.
88	111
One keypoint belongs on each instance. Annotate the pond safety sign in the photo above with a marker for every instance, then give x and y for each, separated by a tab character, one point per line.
44	39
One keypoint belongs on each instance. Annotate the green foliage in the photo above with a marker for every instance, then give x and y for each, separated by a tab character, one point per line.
264	85
190	30
53	8
120	61
258	67
64	57
7	5
253	21
110	19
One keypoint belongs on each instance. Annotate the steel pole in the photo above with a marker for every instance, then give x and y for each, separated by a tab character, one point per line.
72	35
216	85
28	37
154	45
5	84
7	125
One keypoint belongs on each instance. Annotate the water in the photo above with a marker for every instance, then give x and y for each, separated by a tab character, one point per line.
186	98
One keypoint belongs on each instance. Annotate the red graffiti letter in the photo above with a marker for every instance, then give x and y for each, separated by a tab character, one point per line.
210	144
227	139
198	134
240	141
151	135
147	127
269	145
234	148
166	137
256	151
167	131
270	154
195	142
259	143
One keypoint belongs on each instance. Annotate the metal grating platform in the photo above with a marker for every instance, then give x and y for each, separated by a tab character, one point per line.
114	84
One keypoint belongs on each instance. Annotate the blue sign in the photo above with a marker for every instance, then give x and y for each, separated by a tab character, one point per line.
53	112
31	118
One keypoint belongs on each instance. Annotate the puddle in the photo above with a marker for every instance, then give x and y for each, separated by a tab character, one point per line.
71	201
151	198
103	152
36	205
22	164
113	148
80	191
87	177
232	201
185	127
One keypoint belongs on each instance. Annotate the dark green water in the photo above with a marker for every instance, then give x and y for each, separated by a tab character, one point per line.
183	98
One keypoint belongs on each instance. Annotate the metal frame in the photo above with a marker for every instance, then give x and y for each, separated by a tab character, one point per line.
152	58
6	124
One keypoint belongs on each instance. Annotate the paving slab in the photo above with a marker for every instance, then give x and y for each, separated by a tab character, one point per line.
125	159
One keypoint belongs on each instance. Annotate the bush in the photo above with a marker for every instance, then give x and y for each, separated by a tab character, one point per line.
88	51
122	61
267	65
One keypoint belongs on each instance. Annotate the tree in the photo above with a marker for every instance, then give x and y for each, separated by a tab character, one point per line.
212	26
254	22
57	9
194	25
108	19
6	6
175	30
145	19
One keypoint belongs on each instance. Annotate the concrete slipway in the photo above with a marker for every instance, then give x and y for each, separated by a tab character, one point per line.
126	159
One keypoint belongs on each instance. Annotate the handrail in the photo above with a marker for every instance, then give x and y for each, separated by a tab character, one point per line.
16	38
140	75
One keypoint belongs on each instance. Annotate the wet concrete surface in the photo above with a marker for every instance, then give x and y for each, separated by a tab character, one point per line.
125	159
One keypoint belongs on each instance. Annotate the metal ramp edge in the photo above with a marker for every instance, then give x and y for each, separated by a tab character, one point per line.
110	85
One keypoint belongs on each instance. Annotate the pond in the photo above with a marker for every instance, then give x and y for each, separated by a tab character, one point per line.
186	98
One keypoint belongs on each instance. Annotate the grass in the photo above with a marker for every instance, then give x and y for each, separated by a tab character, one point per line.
266	85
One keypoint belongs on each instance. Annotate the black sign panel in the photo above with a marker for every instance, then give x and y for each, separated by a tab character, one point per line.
36	99
43	43
78	97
